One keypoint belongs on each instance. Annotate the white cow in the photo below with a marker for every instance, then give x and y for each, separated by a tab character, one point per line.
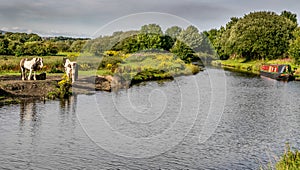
71	69
31	65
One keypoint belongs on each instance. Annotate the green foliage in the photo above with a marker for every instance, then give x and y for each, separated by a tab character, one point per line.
63	89
192	69
144	41
173	32
294	48
84	67
105	43
113	61
153	66
77	46
290	160
258	35
183	51
289	15
150	38
214	36
150	74
151	29
191	37
20	44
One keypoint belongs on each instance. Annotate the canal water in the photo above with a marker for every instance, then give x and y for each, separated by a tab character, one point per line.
214	120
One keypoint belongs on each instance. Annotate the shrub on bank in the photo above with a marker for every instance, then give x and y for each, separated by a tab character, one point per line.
290	160
63	89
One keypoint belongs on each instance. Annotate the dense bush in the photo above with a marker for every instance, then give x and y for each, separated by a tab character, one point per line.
63	90
110	61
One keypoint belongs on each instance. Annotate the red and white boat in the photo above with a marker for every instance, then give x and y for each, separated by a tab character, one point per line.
277	71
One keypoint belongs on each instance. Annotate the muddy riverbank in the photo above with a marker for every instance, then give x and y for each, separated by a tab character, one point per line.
14	90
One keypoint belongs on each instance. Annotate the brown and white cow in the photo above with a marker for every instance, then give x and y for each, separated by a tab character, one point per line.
31	65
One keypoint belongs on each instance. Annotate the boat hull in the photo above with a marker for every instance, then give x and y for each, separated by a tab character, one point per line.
277	76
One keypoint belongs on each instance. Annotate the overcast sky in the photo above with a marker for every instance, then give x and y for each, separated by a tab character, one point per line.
87	17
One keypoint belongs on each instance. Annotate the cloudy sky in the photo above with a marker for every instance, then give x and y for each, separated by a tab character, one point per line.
87	17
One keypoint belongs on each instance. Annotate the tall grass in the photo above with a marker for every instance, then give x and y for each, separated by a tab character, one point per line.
290	160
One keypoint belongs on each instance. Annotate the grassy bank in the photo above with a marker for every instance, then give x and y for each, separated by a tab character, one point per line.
153	66
253	66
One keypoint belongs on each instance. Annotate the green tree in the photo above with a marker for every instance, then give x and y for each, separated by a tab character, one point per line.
34	48
62	46
144	41
104	43
214	37
232	22
3	46
50	48
12	46
294	48
33	37
289	15
77	45
183	51
173	32
258	35
151	28
191	37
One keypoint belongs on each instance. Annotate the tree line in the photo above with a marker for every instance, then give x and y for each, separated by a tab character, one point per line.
258	35
182	42
20	44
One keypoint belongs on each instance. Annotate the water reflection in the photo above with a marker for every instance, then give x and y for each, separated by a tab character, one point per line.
68	105
67	117
28	111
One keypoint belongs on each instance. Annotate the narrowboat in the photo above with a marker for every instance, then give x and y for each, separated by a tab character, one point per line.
277	71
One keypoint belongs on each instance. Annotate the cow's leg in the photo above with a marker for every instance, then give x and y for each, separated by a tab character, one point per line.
73	77
34	75
22	74
30	72
25	73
